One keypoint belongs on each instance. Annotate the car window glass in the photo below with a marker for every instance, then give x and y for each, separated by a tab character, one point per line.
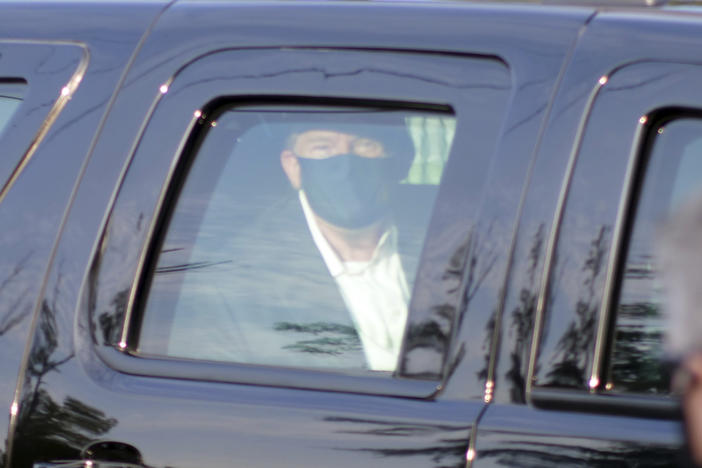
296	236
673	174
11	94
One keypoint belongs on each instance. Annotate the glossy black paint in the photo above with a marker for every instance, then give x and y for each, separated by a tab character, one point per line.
60	43
482	32
24	265
650	74
523	436
95	180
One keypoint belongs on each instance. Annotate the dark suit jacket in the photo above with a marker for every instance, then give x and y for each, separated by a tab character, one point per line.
267	297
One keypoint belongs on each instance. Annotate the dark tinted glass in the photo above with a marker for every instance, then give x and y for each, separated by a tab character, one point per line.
673	174
11	96
296	236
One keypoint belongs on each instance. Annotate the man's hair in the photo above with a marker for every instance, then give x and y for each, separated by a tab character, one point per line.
291	140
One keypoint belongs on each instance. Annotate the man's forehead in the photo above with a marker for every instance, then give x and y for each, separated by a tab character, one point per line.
394	138
323	134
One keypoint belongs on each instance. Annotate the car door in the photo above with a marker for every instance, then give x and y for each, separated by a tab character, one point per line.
181	253
55	85
583	378
22	128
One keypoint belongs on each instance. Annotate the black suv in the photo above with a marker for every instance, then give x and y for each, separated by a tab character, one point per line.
345	234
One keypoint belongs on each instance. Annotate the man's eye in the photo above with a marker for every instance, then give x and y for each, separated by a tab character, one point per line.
368	147
320	149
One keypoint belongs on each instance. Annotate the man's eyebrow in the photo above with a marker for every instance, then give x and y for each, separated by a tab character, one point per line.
322	139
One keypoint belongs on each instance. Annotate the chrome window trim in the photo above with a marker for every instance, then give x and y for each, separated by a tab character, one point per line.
618	239
64	96
555	230
342	381
153	226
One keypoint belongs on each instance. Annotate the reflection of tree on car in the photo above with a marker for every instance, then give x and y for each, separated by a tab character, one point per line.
63	428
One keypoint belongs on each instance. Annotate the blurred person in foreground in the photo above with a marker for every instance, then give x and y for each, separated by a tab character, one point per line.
680	256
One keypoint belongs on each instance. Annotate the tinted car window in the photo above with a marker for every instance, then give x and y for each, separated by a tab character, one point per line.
673	173
295	237
11	94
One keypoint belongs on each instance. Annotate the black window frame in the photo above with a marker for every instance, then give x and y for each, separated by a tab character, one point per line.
113	346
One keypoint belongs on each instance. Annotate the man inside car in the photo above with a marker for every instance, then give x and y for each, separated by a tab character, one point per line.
344	176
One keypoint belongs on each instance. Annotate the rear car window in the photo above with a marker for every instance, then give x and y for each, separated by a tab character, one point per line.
11	96
673	174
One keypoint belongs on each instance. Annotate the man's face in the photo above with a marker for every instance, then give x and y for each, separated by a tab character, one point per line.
345	177
322	144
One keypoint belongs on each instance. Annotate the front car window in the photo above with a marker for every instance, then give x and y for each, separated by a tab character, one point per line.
673	174
11	96
295	237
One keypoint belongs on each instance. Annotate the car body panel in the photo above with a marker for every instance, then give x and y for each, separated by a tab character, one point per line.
594	140
86	381
85	54
491	271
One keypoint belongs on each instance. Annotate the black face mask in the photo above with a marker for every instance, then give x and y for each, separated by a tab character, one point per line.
347	190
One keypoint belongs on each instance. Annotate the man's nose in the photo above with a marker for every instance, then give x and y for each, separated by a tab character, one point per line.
345	145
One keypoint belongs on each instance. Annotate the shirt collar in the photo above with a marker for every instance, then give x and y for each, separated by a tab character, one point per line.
387	245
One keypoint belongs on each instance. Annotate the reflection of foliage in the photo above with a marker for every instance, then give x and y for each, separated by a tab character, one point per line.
14	314
639	310
574	349
429	333
640	270
466	270
344	338
445	452
636	358
523	321
476	274
482	374
61	430
41	358
111	321
188	266
474	278
480	264
541	455
432	138
433	333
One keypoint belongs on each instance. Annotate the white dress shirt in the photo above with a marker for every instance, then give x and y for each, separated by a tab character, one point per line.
375	293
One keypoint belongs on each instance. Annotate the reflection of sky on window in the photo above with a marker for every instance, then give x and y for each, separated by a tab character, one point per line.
7	108
11	94
432	137
232	231
686	182
688	179
642	288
